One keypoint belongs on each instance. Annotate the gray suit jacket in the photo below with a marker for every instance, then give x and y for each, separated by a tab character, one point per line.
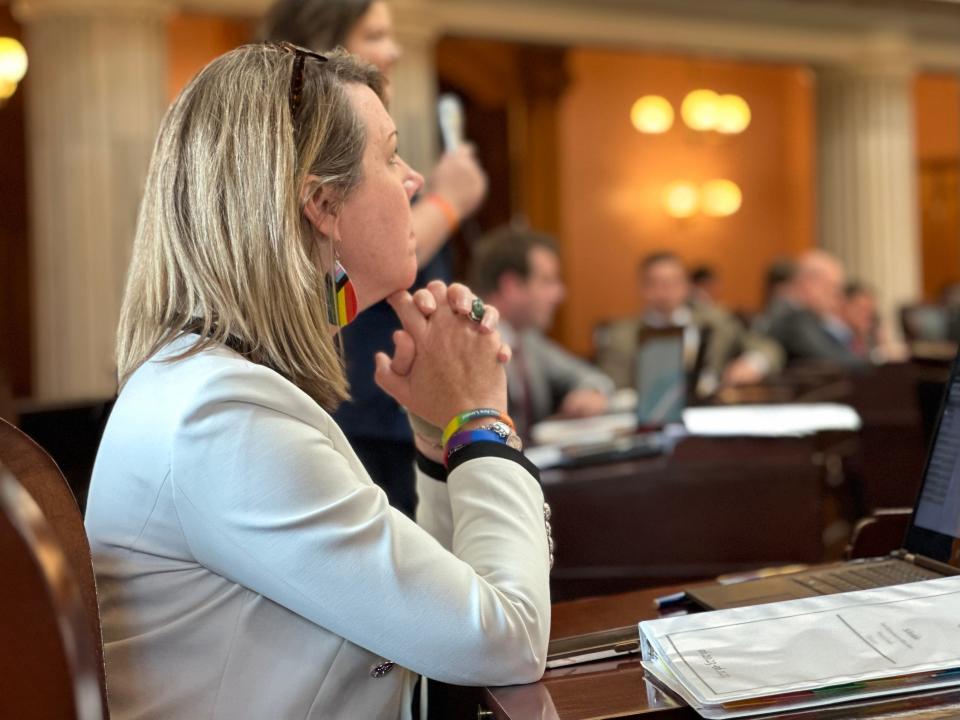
804	337
551	373
728	339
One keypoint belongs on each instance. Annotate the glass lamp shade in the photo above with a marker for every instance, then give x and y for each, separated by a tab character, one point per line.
720	198
734	115
680	199
652	114
700	109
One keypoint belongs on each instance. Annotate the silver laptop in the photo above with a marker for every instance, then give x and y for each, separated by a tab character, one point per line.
930	549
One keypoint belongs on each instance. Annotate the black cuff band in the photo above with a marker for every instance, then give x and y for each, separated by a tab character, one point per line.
430	468
491	449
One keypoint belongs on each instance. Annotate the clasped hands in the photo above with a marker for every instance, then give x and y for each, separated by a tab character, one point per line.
443	362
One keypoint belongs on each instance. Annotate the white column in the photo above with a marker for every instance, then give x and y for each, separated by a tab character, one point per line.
413	103
95	97
867	191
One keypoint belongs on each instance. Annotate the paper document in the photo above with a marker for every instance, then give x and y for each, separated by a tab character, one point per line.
770	420
583	431
811	651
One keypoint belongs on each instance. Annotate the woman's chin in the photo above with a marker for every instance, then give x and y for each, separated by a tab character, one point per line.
368	299
411	274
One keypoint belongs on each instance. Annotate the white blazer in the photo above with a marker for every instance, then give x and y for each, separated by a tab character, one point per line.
248	567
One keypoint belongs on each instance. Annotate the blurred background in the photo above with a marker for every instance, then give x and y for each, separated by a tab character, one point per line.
732	133
847	136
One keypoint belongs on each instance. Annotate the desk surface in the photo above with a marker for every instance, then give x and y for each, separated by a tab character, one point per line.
618	689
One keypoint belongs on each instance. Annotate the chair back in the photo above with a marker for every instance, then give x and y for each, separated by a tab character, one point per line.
49	666
39	475
925	322
880	533
7	411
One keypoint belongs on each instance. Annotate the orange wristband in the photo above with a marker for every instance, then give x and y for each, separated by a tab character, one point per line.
449	212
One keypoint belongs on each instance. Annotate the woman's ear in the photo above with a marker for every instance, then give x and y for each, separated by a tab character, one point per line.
319	206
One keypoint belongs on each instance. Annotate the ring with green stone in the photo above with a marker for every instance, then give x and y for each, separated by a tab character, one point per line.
477	309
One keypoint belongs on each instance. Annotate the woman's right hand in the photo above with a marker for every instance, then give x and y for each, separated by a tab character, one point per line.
450	368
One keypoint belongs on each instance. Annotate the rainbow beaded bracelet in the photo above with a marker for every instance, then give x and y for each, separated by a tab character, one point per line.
463	418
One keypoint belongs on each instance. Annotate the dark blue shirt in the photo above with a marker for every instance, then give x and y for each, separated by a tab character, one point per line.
371	413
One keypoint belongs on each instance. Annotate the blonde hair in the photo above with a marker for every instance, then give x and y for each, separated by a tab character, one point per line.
222	246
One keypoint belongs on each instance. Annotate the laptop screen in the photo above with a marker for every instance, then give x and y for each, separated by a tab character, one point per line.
935	529
660	377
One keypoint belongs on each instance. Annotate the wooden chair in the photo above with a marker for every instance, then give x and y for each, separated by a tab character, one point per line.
39	475
881	532
924	321
7	411
49	664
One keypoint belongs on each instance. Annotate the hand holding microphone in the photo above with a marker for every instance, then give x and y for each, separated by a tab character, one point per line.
457	177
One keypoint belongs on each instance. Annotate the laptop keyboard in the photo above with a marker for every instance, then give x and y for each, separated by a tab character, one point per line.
863	577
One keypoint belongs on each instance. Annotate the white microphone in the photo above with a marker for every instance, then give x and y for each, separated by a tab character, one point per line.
450	114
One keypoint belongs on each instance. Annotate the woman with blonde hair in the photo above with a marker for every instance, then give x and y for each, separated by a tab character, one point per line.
247	566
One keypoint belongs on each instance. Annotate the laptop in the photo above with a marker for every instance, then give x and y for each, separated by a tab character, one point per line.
664	387
931	547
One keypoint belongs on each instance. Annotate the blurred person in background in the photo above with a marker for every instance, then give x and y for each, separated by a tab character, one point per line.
733	355
868	335
517	270
375	424
704	286
777	288
247	566
808	323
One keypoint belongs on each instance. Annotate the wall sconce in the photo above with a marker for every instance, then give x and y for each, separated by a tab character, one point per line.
680	199
720	198
715	198
700	109
734	115
704	110
652	114
13	66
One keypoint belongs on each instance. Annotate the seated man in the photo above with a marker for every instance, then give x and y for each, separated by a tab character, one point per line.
704	286
860	314
518	271
807	323
777	284
732	356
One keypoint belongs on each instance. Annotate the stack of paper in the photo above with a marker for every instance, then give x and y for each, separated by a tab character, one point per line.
816	651
770	420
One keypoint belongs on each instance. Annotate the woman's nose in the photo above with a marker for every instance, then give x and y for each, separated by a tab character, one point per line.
413	182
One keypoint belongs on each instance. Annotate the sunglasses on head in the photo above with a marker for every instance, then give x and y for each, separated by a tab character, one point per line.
300	55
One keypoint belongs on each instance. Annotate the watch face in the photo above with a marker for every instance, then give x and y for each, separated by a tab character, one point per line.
513	440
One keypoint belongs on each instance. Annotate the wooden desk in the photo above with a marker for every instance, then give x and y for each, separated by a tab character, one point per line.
712	506
898	404
618	689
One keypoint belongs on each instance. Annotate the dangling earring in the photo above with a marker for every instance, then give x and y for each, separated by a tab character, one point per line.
341	295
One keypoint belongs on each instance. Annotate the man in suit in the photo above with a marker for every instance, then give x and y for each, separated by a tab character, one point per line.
807	321
777	284
732	355
518	271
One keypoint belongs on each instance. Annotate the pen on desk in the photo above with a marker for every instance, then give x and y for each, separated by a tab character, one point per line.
665	601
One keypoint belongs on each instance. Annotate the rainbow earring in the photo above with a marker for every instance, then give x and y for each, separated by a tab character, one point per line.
342	297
